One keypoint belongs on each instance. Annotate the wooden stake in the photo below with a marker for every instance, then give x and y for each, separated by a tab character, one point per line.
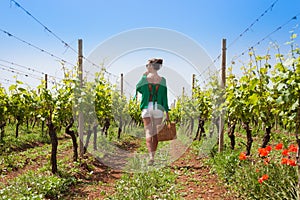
193	84
222	84
122	92
80	114
46	81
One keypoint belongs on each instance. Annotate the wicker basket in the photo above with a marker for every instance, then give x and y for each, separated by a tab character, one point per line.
166	131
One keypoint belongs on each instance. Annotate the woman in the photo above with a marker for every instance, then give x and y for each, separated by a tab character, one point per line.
154	103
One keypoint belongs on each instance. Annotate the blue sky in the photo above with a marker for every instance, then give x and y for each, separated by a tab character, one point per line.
205	22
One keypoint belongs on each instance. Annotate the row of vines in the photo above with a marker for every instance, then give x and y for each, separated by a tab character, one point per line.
265	97
55	110
261	107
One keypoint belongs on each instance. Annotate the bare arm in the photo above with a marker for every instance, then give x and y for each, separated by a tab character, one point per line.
167	116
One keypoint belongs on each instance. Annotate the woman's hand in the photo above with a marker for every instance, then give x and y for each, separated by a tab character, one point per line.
167	116
146	73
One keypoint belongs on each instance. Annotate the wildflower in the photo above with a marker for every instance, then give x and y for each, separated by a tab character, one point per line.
293	148
268	148
279	146
263	152
292	162
242	156
285	152
263	178
284	161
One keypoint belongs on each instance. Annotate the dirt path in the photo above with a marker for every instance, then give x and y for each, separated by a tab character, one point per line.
100	185
194	178
198	181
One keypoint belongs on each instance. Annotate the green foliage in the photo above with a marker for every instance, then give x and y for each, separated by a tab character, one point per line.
287	91
56	105
156	184
281	183
188	109
103	99
3	105
203	102
36	186
120	108
20	103
198	106
15	160
225	165
263	96
135	111
241	97
26	140
243	175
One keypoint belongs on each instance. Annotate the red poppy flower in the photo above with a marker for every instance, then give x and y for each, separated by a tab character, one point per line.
279	146
268	148
263	178
293	148
242	156
284	161
285	152
292	162
263	152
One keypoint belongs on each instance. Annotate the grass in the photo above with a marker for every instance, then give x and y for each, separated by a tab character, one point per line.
36	185
26	139
243	176
18	160
39	182
155	184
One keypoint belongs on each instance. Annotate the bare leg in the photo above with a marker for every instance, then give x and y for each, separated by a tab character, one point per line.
150	126
155	140
150	140
149	132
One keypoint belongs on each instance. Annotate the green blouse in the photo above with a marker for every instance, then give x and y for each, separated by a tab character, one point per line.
161	97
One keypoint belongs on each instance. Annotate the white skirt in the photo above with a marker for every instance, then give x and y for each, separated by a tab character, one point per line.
152	111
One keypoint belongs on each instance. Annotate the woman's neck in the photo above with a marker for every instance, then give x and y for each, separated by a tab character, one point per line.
153	77
154	73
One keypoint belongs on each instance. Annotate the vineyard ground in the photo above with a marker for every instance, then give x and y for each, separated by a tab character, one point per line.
42	151
194	180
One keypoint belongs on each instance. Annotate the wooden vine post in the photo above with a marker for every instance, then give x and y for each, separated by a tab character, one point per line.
121	120
193	84
222	85
46	87
80	114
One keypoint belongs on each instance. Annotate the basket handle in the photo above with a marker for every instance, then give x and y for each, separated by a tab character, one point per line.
166	121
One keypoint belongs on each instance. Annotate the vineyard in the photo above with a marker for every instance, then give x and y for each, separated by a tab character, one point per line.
82	137
39	135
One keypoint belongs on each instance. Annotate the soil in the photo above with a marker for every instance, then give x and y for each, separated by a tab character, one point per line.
33	165
199	183
99	181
